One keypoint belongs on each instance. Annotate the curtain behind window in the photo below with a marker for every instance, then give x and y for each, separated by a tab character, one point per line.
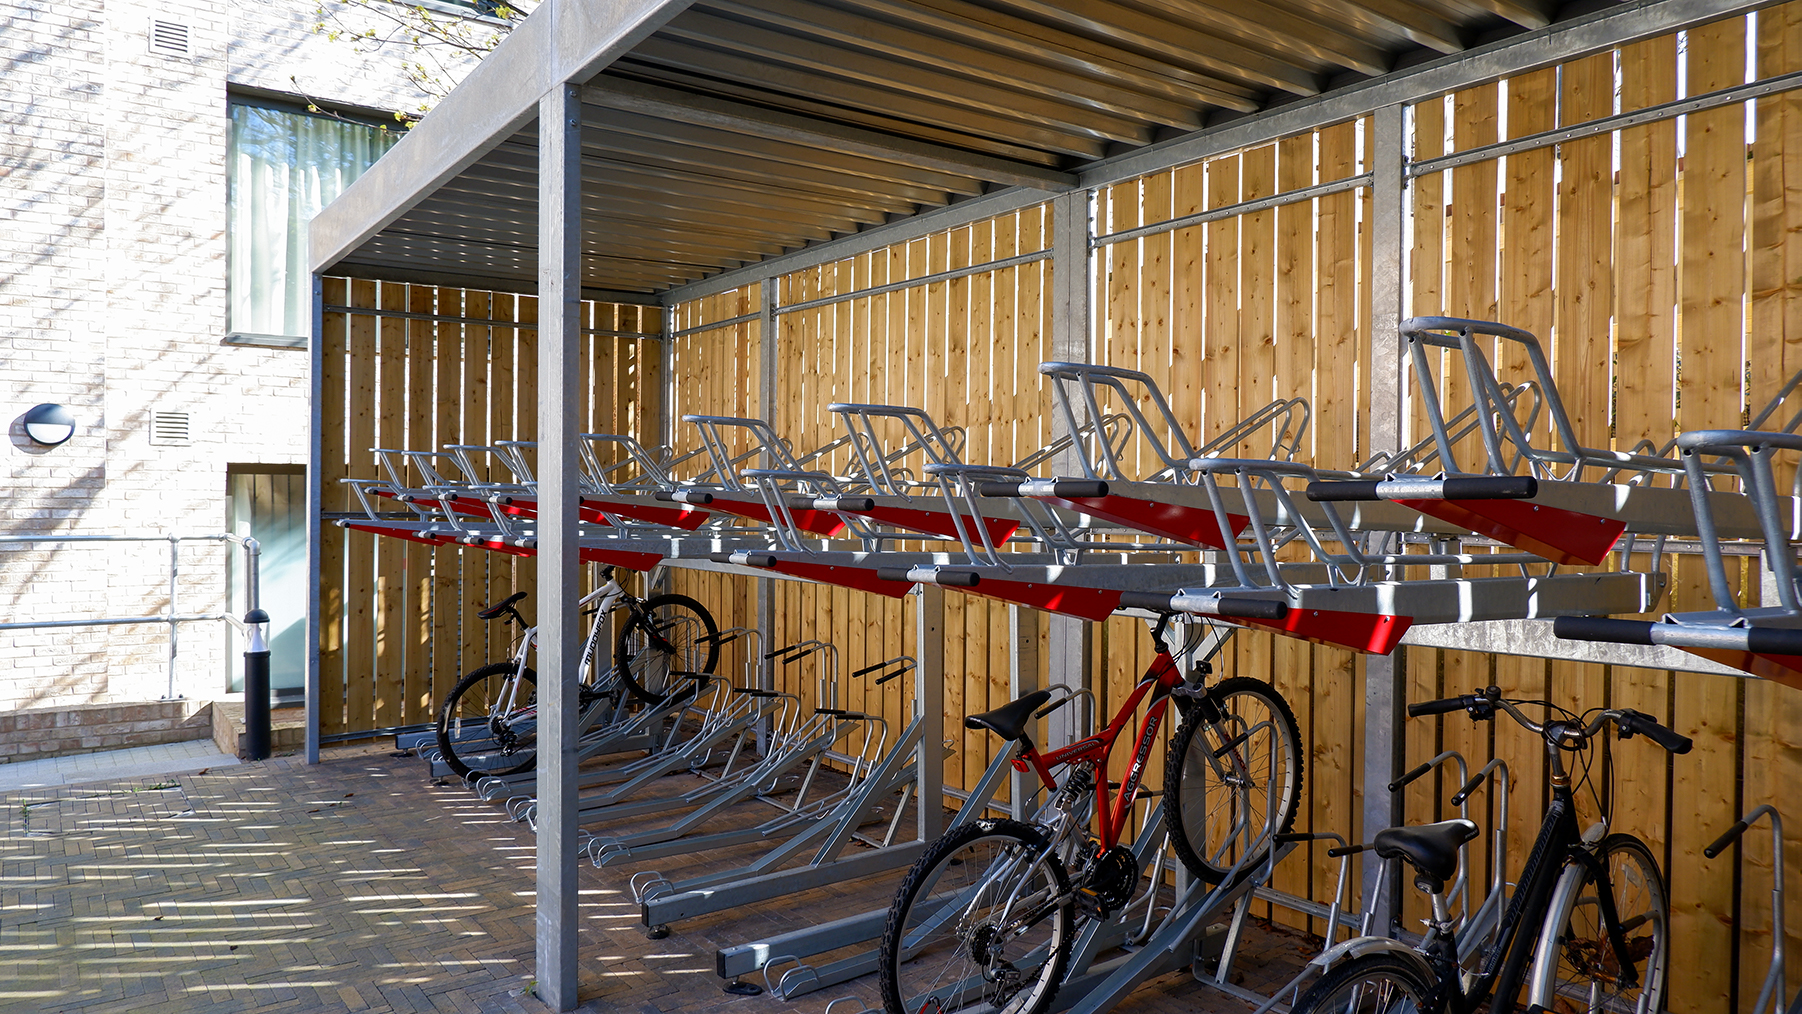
282	168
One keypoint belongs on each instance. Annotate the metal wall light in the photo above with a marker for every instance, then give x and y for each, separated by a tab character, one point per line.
49	425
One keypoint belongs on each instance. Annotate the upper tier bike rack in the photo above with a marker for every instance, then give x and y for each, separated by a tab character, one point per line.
1583	499
1765	641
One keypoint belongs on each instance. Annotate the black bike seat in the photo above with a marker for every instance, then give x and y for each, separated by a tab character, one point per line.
1009	721
500	607
1432	849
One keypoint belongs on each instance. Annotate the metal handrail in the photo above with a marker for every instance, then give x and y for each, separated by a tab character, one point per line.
252	590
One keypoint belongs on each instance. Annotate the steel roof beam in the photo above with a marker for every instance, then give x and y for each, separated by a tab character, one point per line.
500	95
1061	51
1181	45
889	126
864	34
609	228
683	182
700	212
786	81
823	135
953	96
738	146
1277	30
682	243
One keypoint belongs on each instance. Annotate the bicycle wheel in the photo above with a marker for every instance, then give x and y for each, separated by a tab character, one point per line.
1588	972
489	722
1373	984
984	921
664	634
1232	778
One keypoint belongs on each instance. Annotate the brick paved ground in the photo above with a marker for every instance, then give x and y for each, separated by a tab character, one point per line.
358	885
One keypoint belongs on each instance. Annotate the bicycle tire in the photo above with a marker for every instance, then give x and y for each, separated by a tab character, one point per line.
1586	976
1214	830
984	863
685	624
512	743
1380	983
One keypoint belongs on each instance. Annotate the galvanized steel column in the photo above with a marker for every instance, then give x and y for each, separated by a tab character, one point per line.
559	645
1068	636
1383	693
929	705
315	504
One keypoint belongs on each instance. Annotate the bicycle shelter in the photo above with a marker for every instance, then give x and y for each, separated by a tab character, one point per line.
827	135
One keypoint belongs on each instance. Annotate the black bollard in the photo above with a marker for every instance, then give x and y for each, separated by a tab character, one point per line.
256	686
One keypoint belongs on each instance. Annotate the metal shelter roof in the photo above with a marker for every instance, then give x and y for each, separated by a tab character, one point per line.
719	133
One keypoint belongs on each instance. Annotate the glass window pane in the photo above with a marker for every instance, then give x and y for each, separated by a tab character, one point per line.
282	168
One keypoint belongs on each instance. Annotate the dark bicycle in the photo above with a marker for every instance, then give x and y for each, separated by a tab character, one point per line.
1586	930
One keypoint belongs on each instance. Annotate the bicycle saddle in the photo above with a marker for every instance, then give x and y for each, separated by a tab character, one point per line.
1009	721
1432	849
500	607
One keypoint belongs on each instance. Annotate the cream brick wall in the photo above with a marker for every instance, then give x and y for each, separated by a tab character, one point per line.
113	303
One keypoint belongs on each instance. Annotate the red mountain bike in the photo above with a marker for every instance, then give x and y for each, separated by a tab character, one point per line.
987	916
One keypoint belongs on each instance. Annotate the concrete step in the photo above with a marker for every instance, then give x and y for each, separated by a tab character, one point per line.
287	729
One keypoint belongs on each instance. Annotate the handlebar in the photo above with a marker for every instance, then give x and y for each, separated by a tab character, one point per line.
1484	704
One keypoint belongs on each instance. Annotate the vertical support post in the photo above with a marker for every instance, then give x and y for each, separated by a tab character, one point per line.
929	707
1022	679
767	364
315	505
559	650
1072	314
174	572
1383	693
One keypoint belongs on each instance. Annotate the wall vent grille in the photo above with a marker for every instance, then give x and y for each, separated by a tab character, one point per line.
169	429
168	38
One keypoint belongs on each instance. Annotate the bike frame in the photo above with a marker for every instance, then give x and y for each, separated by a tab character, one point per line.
1559	845
1160	677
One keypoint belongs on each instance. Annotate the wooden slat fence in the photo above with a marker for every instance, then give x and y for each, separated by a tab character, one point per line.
397	619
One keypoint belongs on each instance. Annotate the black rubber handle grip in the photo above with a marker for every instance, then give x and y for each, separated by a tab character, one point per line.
1157	602
1346	850
1410	776
1632	722
1721	843
958	579
893	574
1774	640
798	650
866	670
855	503
1491	487
1253	609
884	679
1447	706
665	495
1289	836
1602	628
997	488
723	637
1467	788
1335	491
1054	705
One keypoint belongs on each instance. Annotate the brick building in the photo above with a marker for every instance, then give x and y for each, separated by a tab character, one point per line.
144	266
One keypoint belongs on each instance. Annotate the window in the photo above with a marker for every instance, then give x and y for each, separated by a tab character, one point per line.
282	167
